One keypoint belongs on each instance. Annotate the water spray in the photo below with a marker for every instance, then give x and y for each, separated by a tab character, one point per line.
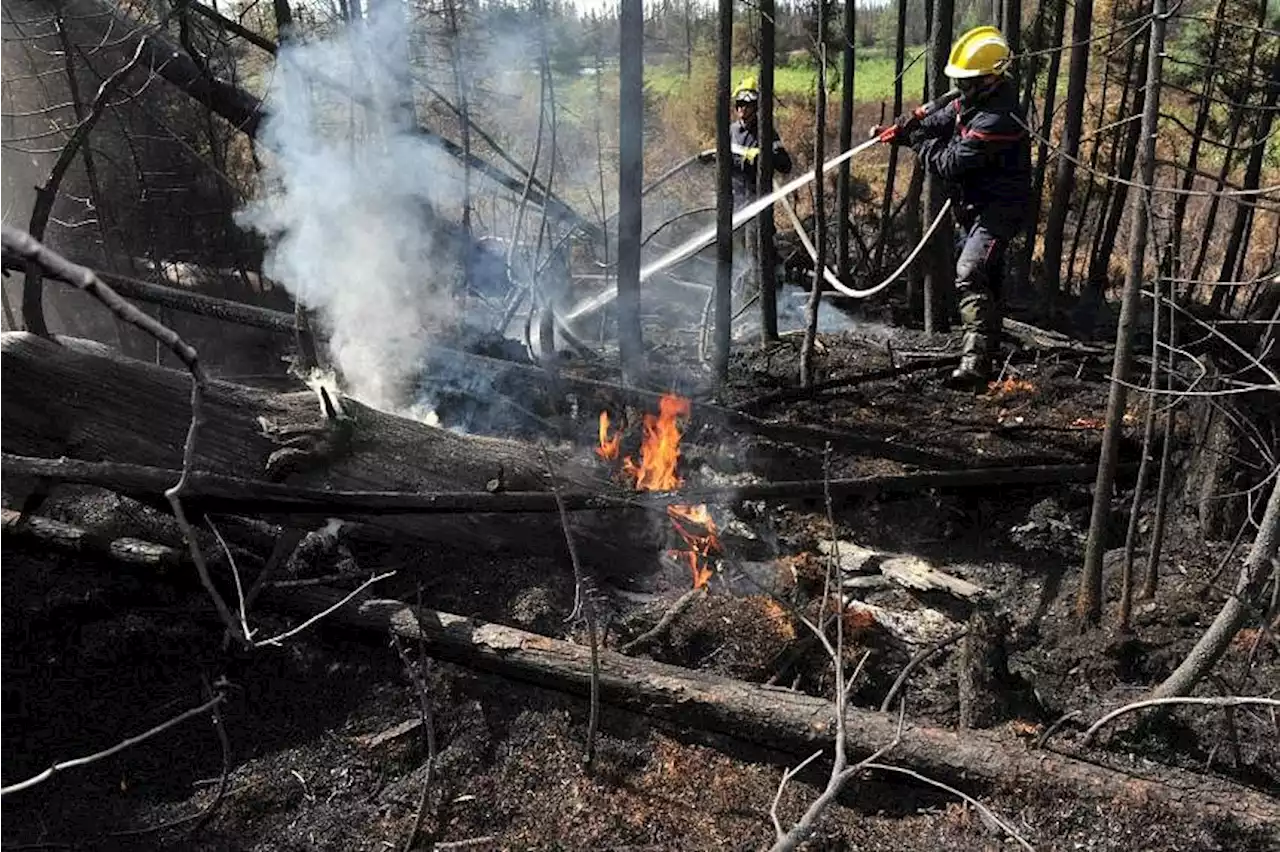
700	241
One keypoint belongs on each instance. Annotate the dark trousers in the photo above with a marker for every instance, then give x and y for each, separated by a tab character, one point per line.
980	273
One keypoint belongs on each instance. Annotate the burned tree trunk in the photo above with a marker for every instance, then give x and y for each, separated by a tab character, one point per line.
790	722
723	294
630	183
1089	598
78	399
1064	182
938	272
768	259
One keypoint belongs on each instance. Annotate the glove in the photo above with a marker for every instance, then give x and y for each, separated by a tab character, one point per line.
892	134
749	155
707	156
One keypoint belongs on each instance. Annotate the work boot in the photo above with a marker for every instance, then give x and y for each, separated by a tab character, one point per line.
975	365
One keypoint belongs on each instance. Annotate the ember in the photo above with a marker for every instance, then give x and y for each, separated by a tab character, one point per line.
1010	386
656	471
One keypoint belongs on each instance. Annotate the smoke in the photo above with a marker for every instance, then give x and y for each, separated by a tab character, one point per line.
351	222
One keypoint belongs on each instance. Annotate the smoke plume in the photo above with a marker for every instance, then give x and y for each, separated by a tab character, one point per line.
349	220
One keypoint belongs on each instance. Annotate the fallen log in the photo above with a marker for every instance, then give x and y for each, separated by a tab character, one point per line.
78	399
217	493
788	721
68	538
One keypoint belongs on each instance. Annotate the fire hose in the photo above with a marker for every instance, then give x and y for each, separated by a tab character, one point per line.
700	241
835	282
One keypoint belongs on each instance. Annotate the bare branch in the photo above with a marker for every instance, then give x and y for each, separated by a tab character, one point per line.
115	749
1227	701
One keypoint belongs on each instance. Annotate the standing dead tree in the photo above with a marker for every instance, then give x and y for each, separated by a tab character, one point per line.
630	185
723	294
764	223
819	209
843	204
32	288
1064	181
1089	597
938	274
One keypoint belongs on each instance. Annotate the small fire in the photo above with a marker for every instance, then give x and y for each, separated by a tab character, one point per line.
1010	386
608	449
656	471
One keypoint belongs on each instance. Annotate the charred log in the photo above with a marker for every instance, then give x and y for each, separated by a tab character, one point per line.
787	721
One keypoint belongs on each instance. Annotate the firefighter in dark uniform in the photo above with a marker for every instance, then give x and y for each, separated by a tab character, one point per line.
981	149
744	142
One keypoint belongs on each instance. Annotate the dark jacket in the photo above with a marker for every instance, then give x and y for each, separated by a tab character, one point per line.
743	136
982	150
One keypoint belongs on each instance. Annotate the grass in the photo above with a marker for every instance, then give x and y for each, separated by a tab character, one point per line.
873	79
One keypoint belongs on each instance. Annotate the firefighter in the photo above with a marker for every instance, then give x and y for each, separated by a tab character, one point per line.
744	140
981	148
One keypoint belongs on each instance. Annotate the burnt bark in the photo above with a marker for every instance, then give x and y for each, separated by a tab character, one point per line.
938	267
768	260
984	670
886	203
847	70
1089	597
630	184
723	294
1042	150
790	722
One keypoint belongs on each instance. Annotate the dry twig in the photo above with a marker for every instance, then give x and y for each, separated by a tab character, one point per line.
584	605
1225	701
34	780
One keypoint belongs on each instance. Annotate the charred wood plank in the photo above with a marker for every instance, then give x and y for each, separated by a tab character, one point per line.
788	721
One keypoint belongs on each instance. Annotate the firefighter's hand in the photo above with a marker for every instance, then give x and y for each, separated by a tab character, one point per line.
749	155
707	156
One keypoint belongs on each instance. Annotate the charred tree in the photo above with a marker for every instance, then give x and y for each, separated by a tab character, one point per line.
1089	598
1046	122
1011	24
630	184
1064	181
1116	196
938	275
1217	639
1197	133
767	261
847	71
819	208
886	203
723	295
1237	242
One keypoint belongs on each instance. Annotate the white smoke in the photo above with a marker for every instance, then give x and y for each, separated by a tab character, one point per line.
349	221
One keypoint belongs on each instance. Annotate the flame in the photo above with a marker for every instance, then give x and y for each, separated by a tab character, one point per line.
656	471
608	449
660	447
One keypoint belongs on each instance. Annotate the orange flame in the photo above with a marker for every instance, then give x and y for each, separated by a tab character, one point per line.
659	455
608	449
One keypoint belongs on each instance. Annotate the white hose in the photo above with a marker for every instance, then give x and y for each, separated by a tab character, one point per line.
836	283
697	243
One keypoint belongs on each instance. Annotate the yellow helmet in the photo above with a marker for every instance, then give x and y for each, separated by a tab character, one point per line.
981	51
747	90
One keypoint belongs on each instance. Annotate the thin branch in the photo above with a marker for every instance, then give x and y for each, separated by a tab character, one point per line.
1226	701
276	640
982	809
584	604
115	749
914	663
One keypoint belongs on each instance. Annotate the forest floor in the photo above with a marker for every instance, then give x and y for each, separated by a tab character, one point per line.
93	653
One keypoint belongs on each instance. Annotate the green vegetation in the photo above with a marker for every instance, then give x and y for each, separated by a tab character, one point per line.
872	82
